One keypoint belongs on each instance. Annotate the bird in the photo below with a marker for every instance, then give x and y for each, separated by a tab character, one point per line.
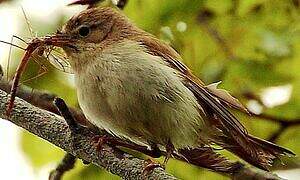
137	88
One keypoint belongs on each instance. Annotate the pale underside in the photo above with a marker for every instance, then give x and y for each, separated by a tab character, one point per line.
137	96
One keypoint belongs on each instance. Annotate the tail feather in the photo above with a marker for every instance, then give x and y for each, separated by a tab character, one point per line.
207	158
257	152
231	134
270	147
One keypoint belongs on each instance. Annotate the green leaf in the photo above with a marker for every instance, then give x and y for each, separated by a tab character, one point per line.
39	151
274	45
252	75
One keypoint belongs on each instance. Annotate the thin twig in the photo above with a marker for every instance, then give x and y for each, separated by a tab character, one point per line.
65	113
1	73
255	174
67	163
1	1
215	34
252	96
281	121
277	134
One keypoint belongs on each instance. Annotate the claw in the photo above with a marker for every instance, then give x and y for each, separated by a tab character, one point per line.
170	150
151	165
100	141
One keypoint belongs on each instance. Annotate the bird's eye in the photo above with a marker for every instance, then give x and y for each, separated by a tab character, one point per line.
84	31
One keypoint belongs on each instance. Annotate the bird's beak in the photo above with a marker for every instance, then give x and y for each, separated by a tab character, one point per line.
60	40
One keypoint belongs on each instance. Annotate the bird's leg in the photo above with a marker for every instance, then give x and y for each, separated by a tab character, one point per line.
169	149
100	140
154	151
152	164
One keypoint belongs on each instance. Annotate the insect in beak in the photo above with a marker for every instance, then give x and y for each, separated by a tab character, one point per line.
39	45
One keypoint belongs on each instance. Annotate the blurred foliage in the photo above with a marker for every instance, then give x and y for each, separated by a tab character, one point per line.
262	36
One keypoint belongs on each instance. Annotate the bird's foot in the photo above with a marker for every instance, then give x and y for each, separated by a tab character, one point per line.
154	152
100	141
150	166
170	150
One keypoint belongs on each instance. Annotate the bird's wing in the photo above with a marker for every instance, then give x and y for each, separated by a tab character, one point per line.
157	48
209	95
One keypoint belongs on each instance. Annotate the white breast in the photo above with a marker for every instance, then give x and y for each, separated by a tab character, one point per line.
135	95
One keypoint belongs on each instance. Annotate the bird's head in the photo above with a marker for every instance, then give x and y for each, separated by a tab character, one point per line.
97	28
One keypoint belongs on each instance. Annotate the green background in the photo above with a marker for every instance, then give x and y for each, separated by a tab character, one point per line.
250	45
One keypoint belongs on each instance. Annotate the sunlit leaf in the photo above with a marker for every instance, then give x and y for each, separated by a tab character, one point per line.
38	151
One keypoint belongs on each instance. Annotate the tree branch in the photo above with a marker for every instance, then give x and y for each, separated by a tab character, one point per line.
1	1
1	73
281	121
255	174
284	123
54	129
67	163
